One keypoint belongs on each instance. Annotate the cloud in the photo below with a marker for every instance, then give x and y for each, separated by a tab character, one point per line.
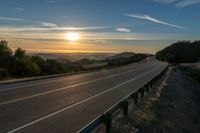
120	29
147	17
64	17
19	9
37	29
56	1
185	3
87	28
165	1
40	26
11	19
179	3
46	24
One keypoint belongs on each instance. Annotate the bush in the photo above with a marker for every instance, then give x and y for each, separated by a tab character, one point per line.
26	68
20	53
3	73
5	53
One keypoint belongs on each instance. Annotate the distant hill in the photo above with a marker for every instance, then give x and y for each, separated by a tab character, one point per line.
122	55
180	52
125	58
73	56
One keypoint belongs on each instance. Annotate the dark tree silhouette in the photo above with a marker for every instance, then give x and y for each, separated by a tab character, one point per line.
20	53
5	53
20	64
180	52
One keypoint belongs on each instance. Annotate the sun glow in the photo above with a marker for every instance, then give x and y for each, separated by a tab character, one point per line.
72	36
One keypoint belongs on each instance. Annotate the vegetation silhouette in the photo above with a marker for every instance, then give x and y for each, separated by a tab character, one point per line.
180	52
18	64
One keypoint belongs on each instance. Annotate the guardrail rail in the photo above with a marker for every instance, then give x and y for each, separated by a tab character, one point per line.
107	116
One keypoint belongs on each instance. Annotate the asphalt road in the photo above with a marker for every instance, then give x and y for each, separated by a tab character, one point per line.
66	104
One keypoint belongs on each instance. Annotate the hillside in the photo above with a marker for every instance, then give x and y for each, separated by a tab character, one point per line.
125	58
180	52
73	56
122	55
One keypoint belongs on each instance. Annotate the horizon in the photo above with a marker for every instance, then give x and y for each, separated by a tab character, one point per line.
91	26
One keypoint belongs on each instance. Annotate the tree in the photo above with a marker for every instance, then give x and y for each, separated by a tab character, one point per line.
51	67
20	53
180	52
26	68
5	53
3	73
38	60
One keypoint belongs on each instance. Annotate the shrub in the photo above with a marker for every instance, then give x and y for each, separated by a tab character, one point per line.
3	73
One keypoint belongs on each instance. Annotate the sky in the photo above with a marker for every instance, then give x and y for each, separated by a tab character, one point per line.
103	26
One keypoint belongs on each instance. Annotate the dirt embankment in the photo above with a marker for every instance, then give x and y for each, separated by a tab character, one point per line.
173	108
191	69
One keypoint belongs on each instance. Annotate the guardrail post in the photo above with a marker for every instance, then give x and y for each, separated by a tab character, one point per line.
135	98
142	92
155	80
108	122
158	78
147	87
151	84
125	108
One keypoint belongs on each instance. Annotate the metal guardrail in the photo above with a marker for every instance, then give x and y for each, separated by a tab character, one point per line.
107	116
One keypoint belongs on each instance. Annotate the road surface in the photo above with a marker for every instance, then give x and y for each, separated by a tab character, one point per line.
66	104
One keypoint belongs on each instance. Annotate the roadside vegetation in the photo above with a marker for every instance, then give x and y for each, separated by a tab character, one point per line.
18	64
125	58
183	52
180	52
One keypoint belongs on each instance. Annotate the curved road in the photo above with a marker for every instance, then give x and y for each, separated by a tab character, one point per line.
67	103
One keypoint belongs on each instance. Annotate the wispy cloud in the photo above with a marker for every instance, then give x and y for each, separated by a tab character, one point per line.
64	17
147	17
165	1
179	3
46	24
19	9
50	29
11	19
120	29
56	1
185	3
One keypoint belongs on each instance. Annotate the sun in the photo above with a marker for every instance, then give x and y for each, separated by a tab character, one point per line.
72	36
